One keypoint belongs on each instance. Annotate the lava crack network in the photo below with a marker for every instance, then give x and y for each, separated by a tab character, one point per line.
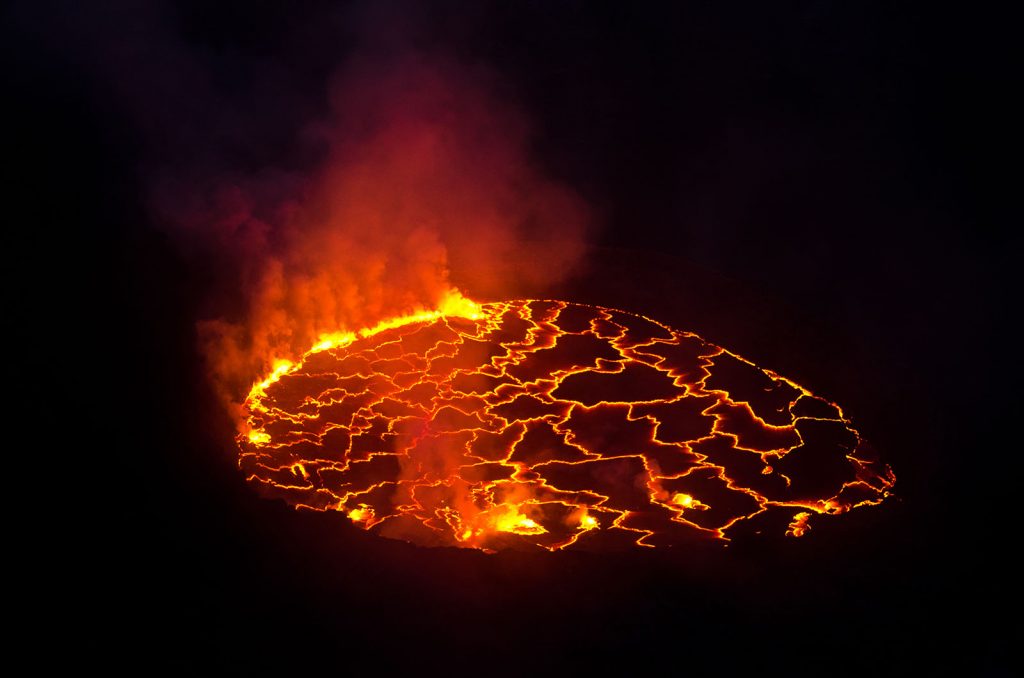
545	424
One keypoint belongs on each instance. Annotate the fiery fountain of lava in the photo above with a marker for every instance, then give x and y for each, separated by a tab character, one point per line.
548	424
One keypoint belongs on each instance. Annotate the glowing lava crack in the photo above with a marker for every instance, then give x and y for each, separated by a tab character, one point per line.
548	424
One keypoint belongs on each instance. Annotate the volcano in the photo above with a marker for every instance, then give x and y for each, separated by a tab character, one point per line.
552	425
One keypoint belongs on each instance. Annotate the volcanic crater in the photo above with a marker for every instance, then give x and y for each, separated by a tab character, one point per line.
553	425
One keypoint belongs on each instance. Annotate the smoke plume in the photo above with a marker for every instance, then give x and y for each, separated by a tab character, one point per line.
422	166
402	175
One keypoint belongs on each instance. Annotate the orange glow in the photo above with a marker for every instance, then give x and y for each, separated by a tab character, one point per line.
258	437
509	519
688	502
799	526
360	514
452	304
542	424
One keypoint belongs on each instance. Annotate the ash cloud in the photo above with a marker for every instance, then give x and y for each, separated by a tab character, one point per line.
328	192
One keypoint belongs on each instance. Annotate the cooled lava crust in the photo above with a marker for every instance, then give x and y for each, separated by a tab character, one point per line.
547	424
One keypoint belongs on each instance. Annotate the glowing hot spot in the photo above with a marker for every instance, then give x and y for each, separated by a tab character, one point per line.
513	521
799	527
259	437
360	514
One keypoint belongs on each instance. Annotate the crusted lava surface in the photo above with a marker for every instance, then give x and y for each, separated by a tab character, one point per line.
547	424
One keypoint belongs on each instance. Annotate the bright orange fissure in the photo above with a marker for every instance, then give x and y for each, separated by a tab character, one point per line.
548	424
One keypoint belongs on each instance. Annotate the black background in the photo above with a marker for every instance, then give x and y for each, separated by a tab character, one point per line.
812	185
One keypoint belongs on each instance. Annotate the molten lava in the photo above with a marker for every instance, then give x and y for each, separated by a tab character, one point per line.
547	424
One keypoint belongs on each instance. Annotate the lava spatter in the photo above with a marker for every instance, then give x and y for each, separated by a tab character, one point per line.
547	424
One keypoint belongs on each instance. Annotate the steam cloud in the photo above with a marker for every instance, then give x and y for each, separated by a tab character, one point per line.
414	178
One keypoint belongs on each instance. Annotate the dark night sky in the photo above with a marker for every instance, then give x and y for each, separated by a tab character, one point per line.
813	185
